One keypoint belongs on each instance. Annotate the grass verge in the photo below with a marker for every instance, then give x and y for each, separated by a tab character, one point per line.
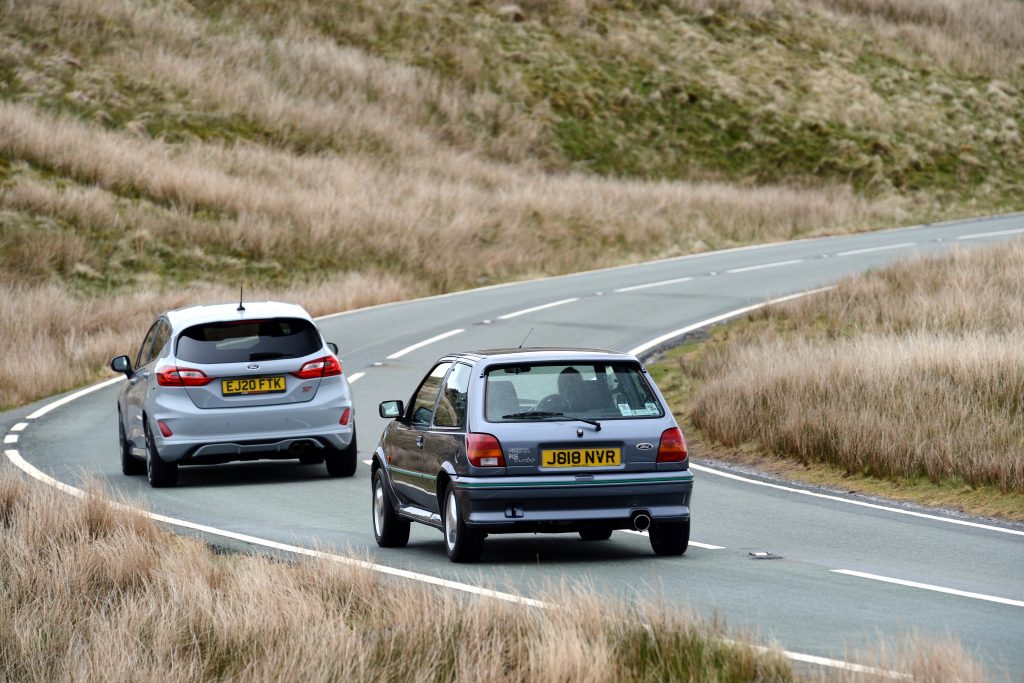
905	382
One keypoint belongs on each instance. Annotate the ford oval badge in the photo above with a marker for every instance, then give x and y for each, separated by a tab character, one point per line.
252	366
644	446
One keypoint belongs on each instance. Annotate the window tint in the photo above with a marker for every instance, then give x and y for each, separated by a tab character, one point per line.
163	333
143	356
248	340
426	396
451	408
592	390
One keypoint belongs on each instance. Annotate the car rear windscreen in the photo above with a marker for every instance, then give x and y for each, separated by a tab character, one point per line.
239	341
590	390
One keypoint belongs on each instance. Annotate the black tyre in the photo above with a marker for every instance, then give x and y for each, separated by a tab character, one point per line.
342	463
390	530
160	474
463	543
130	465
596	534
670	538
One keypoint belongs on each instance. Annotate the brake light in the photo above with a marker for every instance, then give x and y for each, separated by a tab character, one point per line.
672	447
173	376
328	366
344	417
484	450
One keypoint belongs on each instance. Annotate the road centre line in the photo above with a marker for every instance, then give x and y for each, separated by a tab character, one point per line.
930	587
705	546
653	284
765	265
516	314
20	426
901	245
858	503
71	397
425	342
10	438
669	336
979	235
355	376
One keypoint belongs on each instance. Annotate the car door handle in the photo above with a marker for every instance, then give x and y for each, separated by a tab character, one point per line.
419	441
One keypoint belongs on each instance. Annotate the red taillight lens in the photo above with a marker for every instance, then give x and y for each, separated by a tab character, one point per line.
164	429
328	366
484	450
344	417
672	447
182	377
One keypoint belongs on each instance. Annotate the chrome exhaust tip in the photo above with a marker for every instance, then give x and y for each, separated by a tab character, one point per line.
641	521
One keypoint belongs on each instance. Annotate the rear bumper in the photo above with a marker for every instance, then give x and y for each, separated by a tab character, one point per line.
565	503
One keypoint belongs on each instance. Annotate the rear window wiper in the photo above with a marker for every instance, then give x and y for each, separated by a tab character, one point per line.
545	413
269	355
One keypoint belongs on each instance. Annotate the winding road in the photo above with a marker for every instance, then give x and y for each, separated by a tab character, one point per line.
851	571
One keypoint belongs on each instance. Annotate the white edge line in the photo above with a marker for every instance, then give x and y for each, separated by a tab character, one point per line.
425	342
858	503
761	266
15	457
532	309
705	546
930	587
355	376
653	284
20	426
979	235
668	336
853	252
71	397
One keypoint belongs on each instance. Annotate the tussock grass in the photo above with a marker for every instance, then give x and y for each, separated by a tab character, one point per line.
93	593
911	371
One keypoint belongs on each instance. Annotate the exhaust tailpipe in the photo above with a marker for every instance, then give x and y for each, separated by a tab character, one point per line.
641	521
300	448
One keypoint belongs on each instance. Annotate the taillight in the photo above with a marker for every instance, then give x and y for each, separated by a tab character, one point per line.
672	447
344	417
484	450
174	376
328	366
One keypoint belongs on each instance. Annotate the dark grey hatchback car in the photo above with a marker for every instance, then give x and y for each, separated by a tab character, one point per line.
532	440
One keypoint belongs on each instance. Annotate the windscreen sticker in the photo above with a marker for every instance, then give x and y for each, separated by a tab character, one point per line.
652	408
625	409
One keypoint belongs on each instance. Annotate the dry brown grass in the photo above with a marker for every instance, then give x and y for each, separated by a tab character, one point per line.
915	370
91	593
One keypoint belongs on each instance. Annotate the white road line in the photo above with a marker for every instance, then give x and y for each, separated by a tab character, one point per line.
979	235
71	397
10	438
669	336
930	587
706	546
425	342
858	503
852	252
765	265
653	284
20	426
516	314
23	465
355	376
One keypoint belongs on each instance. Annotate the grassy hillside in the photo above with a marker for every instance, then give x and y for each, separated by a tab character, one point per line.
907	381
154	153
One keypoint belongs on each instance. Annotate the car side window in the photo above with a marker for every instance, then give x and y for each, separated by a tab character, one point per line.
451	407
426	396
143	356
163	333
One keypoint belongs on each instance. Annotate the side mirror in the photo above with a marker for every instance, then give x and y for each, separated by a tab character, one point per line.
392	410
333	347
121	364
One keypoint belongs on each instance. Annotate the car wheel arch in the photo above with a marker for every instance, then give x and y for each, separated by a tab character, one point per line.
443	479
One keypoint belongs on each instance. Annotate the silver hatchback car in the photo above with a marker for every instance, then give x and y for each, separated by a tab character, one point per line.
214	384
532	440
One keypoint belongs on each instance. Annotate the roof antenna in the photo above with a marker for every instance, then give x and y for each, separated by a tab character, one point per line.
525	338
240	308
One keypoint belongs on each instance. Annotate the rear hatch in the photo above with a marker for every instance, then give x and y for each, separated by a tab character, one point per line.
575	418
264	362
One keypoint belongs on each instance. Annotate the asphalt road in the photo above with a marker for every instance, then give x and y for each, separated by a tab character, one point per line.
915	574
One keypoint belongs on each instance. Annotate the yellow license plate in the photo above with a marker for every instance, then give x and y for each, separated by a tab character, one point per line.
580	457
256	385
